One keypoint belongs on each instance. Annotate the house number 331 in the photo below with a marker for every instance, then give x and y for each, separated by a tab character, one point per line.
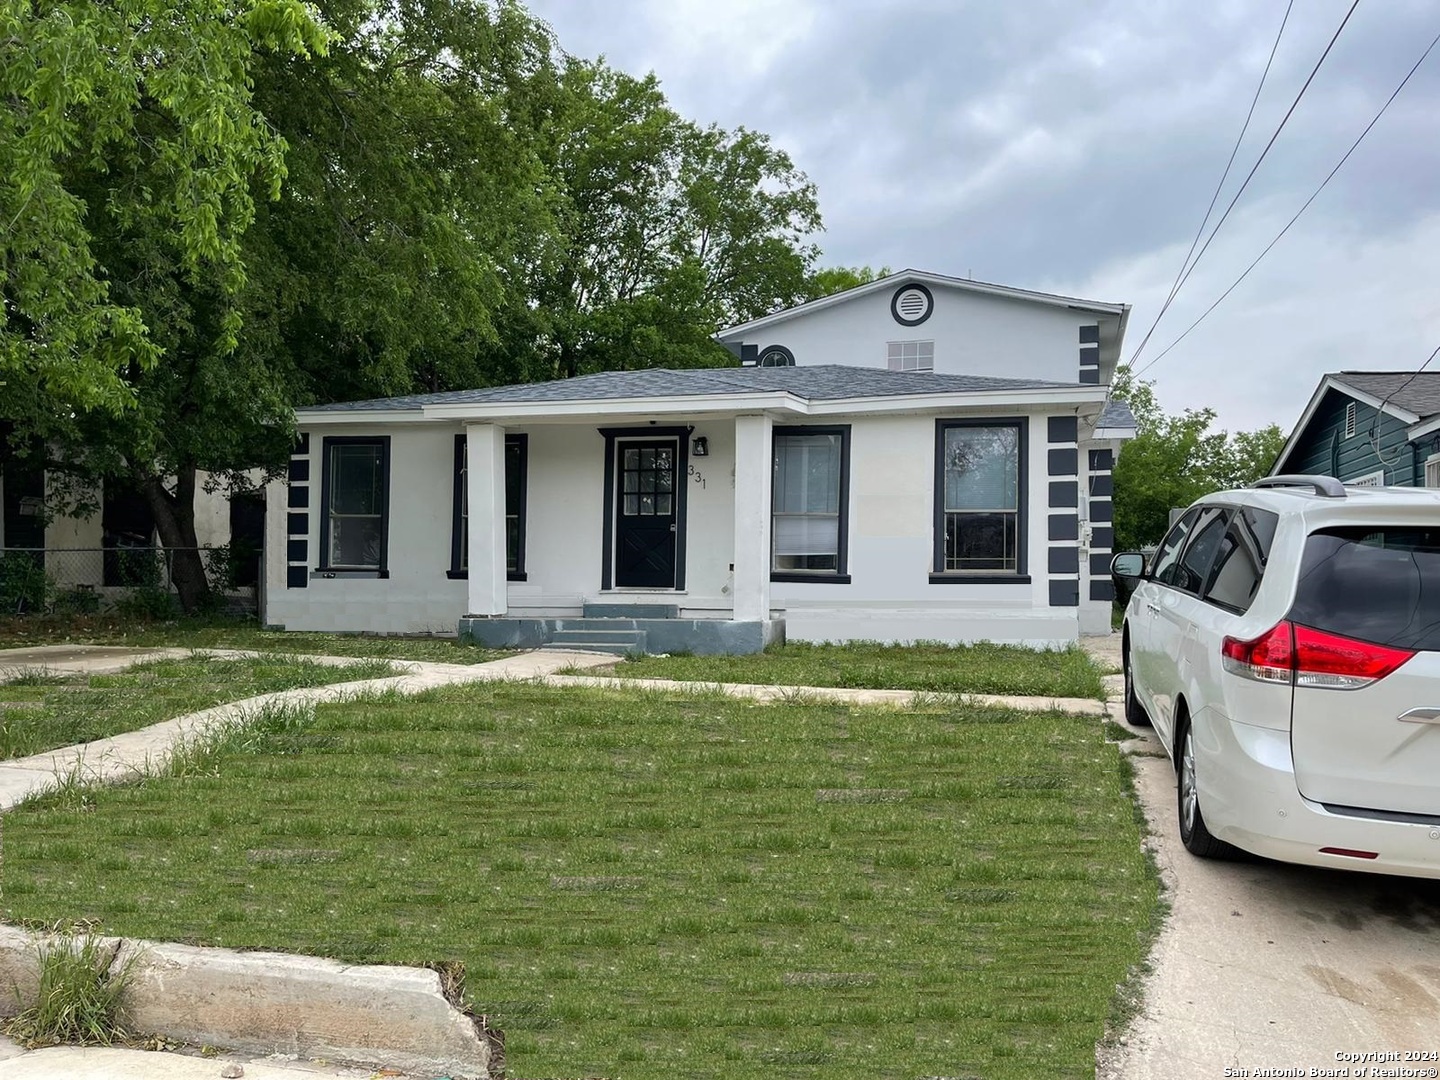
696	476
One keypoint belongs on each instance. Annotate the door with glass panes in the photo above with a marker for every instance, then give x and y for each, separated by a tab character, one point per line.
645	517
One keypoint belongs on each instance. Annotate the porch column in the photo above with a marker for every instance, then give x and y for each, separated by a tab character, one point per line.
752	518
485	491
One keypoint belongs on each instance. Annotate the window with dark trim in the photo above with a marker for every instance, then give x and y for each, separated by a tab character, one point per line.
980	497
516	460
810	500
355	503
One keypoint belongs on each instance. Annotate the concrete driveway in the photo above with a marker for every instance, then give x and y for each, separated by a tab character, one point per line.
1264	966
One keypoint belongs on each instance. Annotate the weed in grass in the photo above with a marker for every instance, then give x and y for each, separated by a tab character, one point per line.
33	676
80	992
1118	733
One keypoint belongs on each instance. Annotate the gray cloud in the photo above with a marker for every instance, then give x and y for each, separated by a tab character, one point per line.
1074	146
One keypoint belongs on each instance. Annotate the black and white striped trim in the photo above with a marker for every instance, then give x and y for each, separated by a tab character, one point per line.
1090	354
1062	467
297	519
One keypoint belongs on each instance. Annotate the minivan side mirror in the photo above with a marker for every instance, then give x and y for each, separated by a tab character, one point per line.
1128	564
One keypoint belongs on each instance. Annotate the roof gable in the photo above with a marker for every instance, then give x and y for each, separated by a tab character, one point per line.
922	277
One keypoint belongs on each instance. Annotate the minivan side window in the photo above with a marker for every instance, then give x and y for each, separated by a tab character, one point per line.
1190	571
1240	566
1169	550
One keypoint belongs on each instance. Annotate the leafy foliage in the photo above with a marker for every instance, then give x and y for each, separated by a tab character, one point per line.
1174	460
834	279
463	205
154	97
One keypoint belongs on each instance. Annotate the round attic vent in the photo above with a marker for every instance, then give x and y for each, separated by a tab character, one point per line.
912	304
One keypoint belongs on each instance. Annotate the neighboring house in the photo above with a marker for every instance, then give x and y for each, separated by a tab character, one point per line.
920	457
116	547
1377	428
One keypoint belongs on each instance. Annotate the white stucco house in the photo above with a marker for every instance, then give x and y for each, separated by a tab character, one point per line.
921	457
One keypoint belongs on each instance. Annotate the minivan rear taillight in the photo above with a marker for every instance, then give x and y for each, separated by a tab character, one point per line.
1300	656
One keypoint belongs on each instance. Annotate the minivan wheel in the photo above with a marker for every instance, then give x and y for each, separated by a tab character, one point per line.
1135	714
1193	832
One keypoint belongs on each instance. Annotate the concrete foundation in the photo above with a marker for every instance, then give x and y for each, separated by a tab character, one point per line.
704	637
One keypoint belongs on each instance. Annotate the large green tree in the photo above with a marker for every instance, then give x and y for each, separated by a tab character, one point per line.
148	102
375	271
668	231
1175	459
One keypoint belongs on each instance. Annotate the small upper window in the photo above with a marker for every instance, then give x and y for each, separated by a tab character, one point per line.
910	355
1350	420
776	356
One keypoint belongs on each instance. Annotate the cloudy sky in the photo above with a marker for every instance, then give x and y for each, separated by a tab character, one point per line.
1073	146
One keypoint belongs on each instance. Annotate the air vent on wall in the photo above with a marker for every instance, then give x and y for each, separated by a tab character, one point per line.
912	304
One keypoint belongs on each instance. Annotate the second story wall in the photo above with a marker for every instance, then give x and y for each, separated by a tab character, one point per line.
970	333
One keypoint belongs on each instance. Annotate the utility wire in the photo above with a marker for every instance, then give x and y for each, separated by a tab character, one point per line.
1235	150
1375	425
1305	206
1258	161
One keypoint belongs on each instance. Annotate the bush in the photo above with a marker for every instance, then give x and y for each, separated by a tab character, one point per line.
76	601
24	586
148	603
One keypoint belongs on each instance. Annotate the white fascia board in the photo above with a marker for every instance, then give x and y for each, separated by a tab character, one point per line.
315	418
666	406
1423	428
1053	397
925	278
1115	433
1403	415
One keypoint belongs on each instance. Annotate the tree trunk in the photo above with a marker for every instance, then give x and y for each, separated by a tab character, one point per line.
175	520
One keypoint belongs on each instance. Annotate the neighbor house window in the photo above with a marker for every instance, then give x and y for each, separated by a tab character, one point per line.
516	449
980	498
356	502
809	503
910	355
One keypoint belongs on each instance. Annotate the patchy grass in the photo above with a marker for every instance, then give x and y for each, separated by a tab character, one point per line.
648	885
983	668
230	633
42	710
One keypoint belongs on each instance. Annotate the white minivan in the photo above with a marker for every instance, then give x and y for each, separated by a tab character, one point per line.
1284	640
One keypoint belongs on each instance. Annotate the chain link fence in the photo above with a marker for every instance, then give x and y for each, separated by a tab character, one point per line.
85	581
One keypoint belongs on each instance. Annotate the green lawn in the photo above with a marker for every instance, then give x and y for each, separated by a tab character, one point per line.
649	886
223	633
41	710
984	668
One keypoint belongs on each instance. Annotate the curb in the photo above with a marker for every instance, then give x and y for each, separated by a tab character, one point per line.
376	1016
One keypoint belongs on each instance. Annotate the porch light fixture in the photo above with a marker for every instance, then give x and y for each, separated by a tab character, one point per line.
700	447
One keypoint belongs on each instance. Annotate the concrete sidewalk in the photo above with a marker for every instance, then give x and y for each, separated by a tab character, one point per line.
116	1063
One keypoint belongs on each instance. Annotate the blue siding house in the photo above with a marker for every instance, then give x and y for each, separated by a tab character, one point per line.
1379	428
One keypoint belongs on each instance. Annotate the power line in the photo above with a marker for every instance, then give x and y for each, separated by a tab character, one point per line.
1259	160
1305	206
1375	426
1235	150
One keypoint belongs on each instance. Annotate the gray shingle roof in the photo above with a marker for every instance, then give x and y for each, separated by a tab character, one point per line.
1419	394
812	383
1116	414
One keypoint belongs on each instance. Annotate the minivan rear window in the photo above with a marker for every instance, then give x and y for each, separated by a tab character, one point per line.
1374	583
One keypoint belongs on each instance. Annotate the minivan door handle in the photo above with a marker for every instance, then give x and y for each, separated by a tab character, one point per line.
1428	714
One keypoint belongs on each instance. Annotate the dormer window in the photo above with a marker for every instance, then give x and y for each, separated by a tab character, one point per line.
776	356
910	355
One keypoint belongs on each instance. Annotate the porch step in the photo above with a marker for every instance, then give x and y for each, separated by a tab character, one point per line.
618	642
630	611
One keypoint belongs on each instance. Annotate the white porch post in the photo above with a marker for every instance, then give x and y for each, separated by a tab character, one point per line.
752	518
485	489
